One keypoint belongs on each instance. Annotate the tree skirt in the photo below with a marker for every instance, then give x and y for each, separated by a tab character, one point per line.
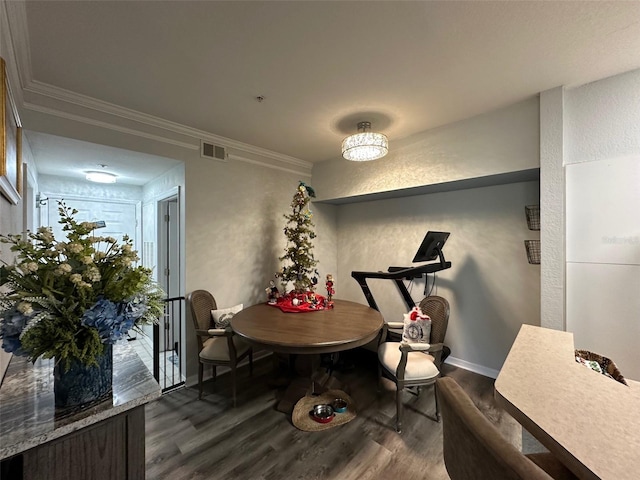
286	304
302	419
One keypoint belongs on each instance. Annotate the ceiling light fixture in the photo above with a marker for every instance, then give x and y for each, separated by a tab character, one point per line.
365	145
101	177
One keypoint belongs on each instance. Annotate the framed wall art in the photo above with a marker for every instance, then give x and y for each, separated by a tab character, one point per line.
10	142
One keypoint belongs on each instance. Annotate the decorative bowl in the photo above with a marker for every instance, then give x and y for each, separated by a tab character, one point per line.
339	405
322	413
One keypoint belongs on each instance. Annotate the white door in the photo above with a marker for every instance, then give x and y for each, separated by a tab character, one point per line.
120	218
170	250
169	266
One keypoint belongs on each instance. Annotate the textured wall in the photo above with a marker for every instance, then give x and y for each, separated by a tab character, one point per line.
51	184
501	141
164	183
164	186
11	221
491	287
552	234
602	119
234	222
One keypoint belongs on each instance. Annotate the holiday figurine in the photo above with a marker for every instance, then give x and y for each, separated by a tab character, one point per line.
272	293
330	290
312	300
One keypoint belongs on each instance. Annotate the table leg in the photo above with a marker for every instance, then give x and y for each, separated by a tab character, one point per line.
281	376
317	382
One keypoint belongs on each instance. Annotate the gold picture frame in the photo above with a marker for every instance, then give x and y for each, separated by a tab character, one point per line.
10	142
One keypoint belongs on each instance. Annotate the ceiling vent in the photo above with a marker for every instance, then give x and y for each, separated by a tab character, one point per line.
209	150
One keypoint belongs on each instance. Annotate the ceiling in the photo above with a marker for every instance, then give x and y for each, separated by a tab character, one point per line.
74	158
322	66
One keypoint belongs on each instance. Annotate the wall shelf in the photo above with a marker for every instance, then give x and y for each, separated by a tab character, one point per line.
478	182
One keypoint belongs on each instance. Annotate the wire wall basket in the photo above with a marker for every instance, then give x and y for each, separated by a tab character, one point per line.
533	251
533	216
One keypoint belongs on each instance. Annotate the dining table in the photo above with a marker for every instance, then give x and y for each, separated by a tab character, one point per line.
346	326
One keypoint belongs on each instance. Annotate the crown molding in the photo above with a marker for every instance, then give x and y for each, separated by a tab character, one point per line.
12	23
268	165
36	87
110	126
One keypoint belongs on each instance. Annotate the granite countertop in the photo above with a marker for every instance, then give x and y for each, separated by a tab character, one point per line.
589	421
28	417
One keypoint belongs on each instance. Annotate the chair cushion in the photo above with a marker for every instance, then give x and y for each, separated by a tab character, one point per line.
217	348
420	366
222	317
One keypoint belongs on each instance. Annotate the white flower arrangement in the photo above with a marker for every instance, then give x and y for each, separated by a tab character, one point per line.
65	300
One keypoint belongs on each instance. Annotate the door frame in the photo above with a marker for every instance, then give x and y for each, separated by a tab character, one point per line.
163	247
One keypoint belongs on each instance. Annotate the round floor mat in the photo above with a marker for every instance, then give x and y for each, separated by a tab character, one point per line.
302	419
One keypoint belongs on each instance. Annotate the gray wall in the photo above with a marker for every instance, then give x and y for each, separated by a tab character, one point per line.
234	222
498	142
491	286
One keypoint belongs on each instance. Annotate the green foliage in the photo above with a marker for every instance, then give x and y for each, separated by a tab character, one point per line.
298	253
51	285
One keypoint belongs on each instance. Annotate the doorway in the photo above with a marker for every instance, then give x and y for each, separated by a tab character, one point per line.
168	339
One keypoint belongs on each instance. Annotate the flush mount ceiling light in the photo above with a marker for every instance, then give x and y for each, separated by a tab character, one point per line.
365	145
101	177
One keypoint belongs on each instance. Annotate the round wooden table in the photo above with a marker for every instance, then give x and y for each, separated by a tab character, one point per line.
347	325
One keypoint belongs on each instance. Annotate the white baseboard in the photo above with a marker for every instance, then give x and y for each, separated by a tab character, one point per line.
472	367
456	362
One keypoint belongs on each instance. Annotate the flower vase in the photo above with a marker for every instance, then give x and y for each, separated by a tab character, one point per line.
82	384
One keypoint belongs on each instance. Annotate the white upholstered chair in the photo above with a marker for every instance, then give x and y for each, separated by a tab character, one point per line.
415	364
216	346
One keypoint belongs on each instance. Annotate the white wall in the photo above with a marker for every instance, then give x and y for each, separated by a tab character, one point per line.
552	232
12	221
602	119
234	222
95	197
491	287
498	142
11	216
602	158
58	185
164	186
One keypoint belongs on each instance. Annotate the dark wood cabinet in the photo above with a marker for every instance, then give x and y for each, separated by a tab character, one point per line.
99	441
108	450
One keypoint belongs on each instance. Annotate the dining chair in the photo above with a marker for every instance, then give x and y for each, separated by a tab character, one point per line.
474	449
411	365
218	347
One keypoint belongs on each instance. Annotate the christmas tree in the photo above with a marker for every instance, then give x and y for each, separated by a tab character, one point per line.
299	232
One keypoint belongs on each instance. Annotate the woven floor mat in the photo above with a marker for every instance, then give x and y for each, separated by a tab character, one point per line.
303	420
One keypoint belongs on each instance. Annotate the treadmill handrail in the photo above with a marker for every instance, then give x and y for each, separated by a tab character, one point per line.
398	276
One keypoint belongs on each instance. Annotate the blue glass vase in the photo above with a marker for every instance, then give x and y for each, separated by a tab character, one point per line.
83	384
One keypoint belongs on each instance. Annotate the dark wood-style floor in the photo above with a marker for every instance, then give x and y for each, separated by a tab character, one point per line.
187	438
